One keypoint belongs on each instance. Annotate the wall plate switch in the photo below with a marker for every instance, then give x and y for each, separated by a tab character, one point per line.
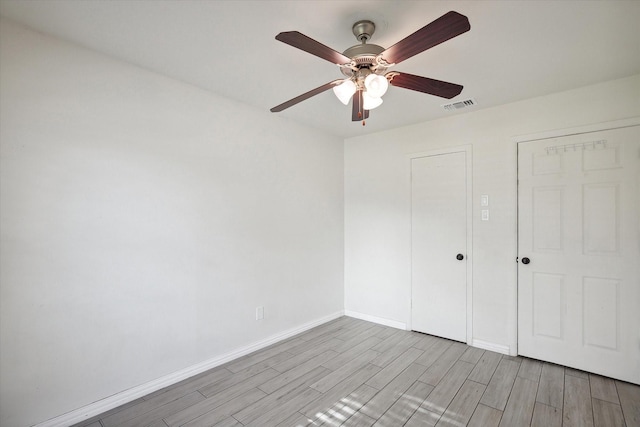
259	313
484	200
485	214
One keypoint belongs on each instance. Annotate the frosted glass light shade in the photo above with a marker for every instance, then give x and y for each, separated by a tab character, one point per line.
376	85
369	102
345	90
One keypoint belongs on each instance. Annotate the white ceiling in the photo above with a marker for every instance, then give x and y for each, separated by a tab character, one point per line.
515	49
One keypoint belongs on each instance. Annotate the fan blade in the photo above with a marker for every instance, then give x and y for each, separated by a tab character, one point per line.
424	84
306	95
299	40
357	113
448	26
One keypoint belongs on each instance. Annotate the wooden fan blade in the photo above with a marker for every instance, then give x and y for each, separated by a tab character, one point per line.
299	40
424	84
306	95
448	26
357	112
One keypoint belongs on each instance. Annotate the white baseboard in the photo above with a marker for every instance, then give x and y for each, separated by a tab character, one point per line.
378	320
498	348
127	396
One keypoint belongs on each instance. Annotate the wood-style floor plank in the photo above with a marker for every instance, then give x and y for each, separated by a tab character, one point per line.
331	379
341	391
551	387
603	388
425	342
462	406
349	344
296	372
201	415
576	373
140	410
252	359
164	410
307	345
485	416
92	420
389	372
365	330
403	408
546	416
391	354
345	407
445	390
302	357
472	355
607	414
485	367
630	402
440	367
280	396
530	369
296	420
293	401
499	387
191	384
436	350
392	391
224	394
350	372
386	332
577	410
519	409
353	352
423	418
228	422
359	420
391	341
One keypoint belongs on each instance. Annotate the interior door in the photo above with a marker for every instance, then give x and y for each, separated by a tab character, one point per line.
579	251
439	245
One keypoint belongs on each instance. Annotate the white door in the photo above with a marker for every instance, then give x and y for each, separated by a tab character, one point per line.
438	239
579	230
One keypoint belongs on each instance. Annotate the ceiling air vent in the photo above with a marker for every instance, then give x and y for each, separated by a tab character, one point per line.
460	104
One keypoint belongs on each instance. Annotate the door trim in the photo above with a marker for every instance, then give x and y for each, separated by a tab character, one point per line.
616	124
467	149
557	133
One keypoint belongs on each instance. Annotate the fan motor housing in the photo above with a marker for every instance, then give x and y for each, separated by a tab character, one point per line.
364	55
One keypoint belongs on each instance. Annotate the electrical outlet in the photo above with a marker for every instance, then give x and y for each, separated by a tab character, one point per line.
484	200
259	313
485	214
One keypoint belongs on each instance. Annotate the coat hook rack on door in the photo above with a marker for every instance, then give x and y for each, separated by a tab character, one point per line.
591	145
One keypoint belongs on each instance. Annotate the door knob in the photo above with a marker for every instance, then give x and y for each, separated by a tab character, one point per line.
526	260
459	257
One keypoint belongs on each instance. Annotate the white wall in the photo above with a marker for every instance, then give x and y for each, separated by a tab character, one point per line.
143	220
377	201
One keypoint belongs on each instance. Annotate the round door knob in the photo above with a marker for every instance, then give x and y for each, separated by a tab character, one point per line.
459	257
526	260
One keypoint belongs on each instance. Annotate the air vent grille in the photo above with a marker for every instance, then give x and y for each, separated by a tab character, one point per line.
460	104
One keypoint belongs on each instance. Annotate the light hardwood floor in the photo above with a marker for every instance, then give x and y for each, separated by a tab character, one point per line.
354	373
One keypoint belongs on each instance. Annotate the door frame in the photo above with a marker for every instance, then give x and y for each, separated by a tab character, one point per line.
467	149
538	136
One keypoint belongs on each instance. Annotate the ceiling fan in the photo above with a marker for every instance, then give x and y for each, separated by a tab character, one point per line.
365	65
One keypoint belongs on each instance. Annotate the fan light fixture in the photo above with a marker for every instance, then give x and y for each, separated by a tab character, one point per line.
370	102
345	90
376	85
